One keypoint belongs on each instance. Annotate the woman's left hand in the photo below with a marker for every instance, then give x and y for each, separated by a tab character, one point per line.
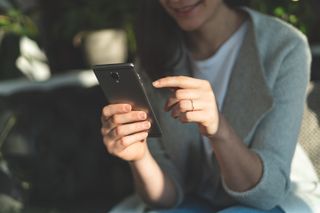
193	100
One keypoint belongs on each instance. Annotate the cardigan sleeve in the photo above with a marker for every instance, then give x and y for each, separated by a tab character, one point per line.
156	146
166	165
276	135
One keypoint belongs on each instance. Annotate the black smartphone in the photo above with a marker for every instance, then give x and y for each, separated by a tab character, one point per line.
122	84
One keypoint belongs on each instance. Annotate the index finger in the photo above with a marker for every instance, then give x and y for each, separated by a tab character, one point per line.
178	81
113	109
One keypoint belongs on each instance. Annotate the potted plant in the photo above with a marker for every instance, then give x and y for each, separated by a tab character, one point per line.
66	26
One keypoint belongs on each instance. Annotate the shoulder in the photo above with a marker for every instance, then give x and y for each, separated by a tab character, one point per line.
279	45
271	27
274	35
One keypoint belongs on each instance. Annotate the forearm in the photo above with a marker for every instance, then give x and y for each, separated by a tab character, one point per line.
152	184
241	168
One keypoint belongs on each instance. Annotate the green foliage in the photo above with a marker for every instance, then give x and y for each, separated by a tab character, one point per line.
14	24
17	23
296	12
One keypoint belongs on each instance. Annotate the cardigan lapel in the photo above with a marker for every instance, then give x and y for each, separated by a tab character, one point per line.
248	97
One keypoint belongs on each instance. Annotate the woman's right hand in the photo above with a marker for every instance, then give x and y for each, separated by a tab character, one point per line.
125	131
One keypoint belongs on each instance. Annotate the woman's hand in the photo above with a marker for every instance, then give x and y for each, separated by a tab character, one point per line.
193	100
125	131
124	134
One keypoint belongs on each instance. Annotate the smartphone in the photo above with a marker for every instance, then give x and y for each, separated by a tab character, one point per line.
122	84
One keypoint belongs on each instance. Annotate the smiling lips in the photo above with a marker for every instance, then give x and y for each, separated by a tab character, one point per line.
186	10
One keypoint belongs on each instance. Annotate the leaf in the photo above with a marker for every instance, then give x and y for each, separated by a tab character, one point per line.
279	11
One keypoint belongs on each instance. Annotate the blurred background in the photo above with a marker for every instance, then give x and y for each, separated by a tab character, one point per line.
51	155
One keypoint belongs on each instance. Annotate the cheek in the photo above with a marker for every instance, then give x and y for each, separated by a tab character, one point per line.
163	4
166	8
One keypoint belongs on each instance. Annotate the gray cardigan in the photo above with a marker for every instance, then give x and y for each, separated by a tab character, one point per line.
264	104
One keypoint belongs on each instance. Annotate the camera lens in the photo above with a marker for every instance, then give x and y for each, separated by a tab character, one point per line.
115	76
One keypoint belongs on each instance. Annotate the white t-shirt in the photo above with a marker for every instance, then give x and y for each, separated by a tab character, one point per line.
218	68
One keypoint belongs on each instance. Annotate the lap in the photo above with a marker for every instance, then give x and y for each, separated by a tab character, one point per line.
134	204
190	205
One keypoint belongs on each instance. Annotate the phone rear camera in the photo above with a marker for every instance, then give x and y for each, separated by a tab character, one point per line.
115	76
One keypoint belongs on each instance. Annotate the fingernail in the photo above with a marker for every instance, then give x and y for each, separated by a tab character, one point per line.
146	134
143	115
147	125
155	83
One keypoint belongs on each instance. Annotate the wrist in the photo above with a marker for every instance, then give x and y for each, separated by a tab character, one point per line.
145	158
221	132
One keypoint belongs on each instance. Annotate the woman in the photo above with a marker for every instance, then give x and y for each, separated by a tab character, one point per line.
232	82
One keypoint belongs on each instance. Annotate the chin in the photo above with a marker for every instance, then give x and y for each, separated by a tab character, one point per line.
189	27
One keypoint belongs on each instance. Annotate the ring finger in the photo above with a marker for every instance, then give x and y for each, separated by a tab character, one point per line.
128	129
187	106
182	94
126	141
119	119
